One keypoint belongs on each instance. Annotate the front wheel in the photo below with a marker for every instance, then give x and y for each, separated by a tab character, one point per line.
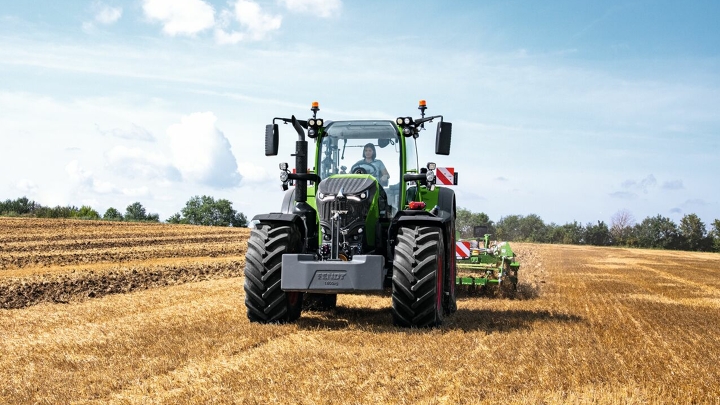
418	272
264	300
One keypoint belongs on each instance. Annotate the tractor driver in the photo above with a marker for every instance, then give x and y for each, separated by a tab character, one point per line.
376	166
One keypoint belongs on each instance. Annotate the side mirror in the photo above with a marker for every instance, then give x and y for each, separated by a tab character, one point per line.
271	140
442	138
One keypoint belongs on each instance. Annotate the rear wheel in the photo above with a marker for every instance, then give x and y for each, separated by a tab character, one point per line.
265	301
418	271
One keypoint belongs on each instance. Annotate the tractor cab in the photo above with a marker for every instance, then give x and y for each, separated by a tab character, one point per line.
367	148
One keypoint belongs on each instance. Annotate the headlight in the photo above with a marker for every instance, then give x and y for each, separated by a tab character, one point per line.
430	176
363	195
321	196
284	176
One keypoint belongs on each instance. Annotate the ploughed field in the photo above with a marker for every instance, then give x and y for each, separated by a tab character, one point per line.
104	312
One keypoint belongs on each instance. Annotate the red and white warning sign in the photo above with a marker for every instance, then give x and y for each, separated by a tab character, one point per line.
445	175
462	250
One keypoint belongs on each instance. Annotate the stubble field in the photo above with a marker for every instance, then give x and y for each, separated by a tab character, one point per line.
102	312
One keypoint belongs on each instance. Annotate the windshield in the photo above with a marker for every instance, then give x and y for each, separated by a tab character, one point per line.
368	147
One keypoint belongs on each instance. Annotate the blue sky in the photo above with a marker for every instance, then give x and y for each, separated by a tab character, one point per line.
571	110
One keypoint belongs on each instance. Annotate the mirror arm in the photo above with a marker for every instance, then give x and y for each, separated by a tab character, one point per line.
428	119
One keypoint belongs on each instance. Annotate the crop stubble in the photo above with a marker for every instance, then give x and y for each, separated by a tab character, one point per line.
602	325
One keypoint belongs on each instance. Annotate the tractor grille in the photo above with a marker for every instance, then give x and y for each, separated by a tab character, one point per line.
357	211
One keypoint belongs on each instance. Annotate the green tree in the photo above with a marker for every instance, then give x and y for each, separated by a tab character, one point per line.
136	212
176	218
508	228
112	214
554	233
573	233
57	212
466	221
20	206
87	212
657	232
715	235
597	235
532	229
693	232
207	211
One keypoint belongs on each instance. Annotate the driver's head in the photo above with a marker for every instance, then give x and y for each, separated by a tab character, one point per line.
369	151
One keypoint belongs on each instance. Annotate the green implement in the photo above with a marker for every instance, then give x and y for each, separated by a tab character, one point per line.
481	262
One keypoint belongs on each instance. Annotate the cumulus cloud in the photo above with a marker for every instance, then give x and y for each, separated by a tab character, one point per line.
143	191
79	175
254	23
673	185
181	17
139	163
26	186
319	8
253	174
135	132
642	185
103	14
85	180
201	152
107	15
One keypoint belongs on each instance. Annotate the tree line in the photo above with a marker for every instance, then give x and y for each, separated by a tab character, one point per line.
656	232
198	210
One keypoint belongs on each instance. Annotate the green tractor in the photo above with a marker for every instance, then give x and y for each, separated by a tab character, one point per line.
366	218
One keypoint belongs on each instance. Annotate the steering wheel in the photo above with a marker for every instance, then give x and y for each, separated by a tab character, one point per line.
363	168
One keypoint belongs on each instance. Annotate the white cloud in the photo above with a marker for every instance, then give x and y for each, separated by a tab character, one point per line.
107	15
85	181
143	191
141	164
642	185
228	38
181	17
254	174
201	152
135	132
26	186
320	8
79	175
673	185
256	24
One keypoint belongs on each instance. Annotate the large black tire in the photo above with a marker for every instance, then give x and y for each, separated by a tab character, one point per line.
418	272
320	302
265	301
